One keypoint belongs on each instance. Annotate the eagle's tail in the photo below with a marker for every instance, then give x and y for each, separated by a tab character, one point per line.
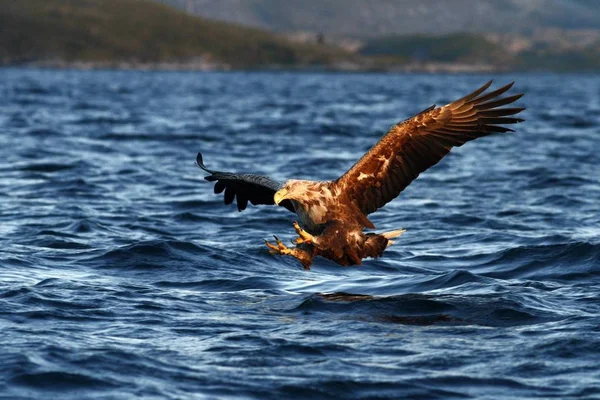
391	235
376	243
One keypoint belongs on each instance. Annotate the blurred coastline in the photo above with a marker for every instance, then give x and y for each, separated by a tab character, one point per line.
176	35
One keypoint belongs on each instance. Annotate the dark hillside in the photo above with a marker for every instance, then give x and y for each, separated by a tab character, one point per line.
139	32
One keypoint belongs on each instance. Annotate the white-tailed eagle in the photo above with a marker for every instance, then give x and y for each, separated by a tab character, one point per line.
333	214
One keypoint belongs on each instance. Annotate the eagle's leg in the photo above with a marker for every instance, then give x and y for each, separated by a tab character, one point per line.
279	248
303	236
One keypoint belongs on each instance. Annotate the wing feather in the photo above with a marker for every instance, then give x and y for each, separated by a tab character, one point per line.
412	146
255	189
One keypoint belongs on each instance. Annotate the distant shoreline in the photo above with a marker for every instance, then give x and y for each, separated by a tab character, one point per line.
425	68
117	35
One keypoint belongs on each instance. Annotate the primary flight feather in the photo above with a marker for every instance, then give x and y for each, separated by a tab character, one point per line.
333	215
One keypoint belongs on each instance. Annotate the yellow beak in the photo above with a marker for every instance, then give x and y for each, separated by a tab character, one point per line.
280	196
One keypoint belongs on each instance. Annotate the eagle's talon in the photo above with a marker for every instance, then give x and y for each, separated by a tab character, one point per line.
299	240
304	237
272	248
297	226
278	248
282	247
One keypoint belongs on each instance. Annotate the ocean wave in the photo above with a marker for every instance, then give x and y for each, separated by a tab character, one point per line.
565	261
59	381
221	285
47	167
123	275
151	254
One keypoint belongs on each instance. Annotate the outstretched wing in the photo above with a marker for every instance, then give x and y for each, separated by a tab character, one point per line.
412	146
246	188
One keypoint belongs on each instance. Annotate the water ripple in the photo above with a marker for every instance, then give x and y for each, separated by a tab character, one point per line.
124	276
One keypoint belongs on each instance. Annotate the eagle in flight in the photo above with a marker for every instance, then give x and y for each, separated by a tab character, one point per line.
333	215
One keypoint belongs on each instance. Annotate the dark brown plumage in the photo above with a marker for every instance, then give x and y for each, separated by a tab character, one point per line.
334	214
418	143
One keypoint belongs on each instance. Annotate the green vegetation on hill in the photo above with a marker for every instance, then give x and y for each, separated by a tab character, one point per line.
586	59
476	49
140	32
454	48
146	33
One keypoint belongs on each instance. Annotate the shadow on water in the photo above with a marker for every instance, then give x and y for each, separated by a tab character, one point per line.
418	309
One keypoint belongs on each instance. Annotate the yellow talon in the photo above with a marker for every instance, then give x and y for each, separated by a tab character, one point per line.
298	241
279	249
304	237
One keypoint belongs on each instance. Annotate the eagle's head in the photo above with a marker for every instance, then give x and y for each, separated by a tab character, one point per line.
293	190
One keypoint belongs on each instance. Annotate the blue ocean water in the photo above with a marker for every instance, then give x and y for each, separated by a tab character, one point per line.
122	275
